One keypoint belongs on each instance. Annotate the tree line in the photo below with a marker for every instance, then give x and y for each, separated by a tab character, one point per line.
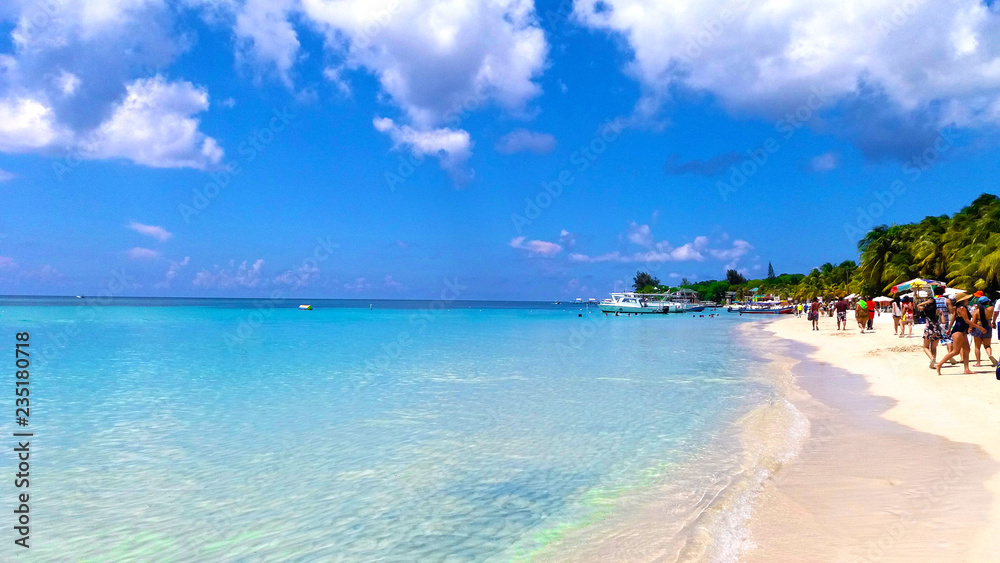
962	250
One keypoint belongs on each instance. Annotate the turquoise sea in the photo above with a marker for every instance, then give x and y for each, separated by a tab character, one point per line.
183	430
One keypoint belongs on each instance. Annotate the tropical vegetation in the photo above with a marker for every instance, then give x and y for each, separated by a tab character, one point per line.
962	250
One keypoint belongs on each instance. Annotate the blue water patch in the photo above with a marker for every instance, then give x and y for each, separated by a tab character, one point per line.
222	430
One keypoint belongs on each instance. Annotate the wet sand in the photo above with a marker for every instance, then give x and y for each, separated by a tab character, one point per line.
900	464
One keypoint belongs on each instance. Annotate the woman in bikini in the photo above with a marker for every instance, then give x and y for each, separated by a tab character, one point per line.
983	338
963	322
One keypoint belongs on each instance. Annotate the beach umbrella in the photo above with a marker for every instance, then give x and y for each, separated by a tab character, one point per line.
915	282
882	299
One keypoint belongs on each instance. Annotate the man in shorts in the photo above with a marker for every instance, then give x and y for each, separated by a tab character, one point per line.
841	307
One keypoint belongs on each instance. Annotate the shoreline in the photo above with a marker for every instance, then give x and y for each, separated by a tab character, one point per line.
899	464
699	511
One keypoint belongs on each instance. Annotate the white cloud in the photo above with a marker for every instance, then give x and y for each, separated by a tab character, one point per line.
140	253
233	276
825	162
171	275
522	140
536	247
6	176
357	285
70	84
303	276
153	126
432	57
641	235
7	263
452	147
389	283
932	65
567	239
335	74
27	125
697	250
228	103
266	37
157	232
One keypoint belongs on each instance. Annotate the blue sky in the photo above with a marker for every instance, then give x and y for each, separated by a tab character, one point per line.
529	151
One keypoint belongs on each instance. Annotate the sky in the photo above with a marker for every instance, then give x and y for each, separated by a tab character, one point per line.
510	149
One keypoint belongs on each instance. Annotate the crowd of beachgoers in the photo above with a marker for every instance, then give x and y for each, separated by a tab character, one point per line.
961	322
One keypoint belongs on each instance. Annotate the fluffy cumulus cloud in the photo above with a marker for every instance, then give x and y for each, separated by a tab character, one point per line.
476	51
476	54
154	126
266	39
83	78
155	231
642	247
172	272
910	67
522	140
243	275
452	147
536	247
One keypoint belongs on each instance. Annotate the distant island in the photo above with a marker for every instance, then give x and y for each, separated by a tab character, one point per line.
962	250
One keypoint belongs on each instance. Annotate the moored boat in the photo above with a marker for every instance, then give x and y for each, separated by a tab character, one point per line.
639	303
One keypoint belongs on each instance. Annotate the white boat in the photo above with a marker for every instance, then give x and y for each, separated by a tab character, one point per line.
640	303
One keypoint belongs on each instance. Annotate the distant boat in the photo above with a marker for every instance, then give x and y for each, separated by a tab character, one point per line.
765	308
557	303
305	307
640	304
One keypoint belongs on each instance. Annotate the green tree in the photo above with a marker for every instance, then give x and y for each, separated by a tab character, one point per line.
735	278
770	271
643	280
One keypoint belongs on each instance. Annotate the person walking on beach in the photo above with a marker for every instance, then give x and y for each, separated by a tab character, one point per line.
897	314
814	313
861	314
983	313
932	330
907	320
841	307
960	345
872	309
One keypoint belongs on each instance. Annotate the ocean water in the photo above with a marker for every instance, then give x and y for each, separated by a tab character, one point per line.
184	430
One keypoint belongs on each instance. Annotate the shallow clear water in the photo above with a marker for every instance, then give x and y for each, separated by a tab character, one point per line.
253	430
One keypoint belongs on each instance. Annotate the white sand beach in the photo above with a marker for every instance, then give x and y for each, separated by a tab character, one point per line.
901	464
